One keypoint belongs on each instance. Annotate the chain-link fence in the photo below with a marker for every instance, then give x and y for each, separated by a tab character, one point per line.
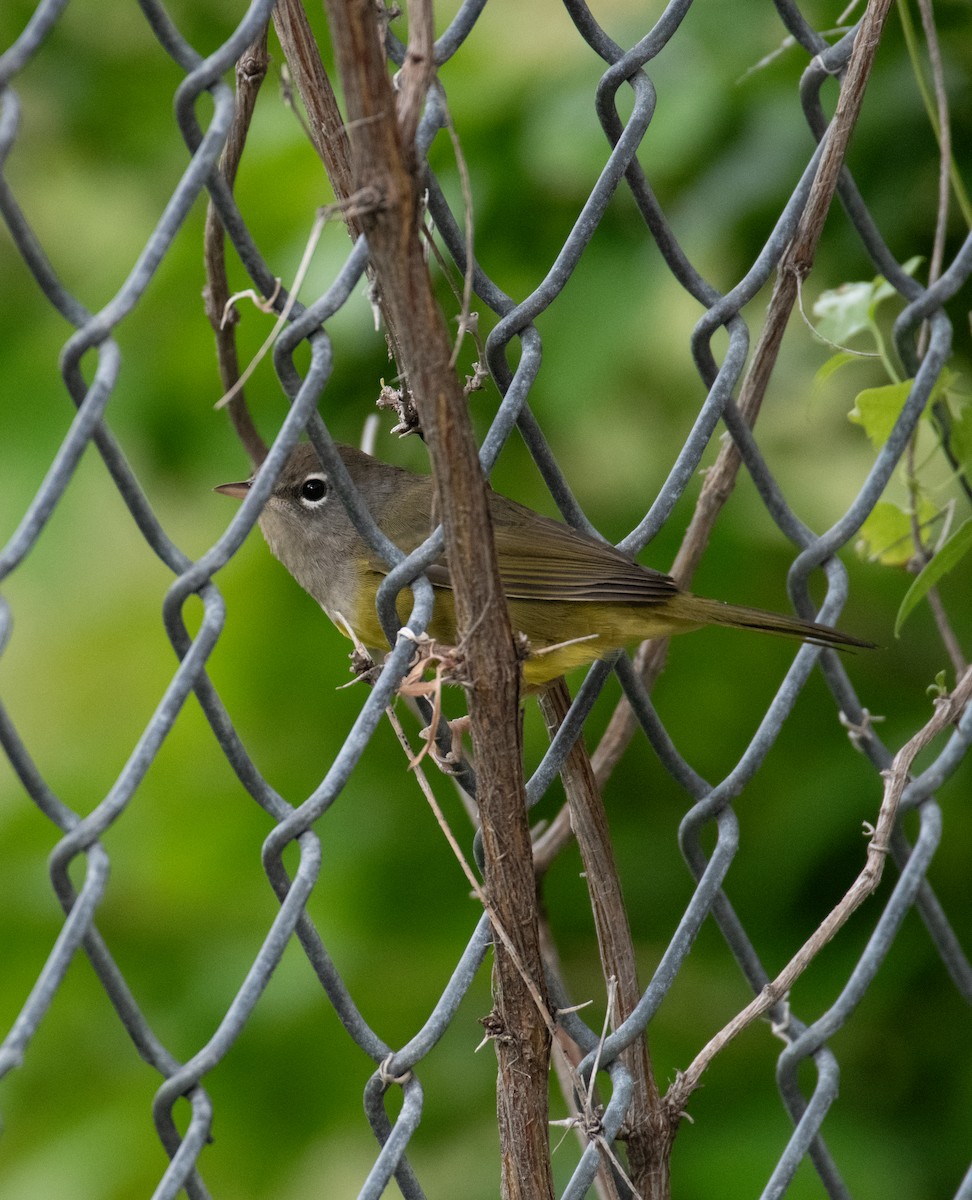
339	871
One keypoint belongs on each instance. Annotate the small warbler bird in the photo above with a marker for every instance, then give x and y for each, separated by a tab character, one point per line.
575	599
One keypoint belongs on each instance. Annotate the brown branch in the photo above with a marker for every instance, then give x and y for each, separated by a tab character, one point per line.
417	72
953	647
381	161
648	1129
948	710
794	267
565	1059
922	556
944	139
251	71
326	125
415	768
949	639
330	139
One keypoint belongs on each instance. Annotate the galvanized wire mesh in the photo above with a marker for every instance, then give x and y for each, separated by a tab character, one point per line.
709	836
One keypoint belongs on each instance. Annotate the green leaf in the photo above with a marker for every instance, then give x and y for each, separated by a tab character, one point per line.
877	409
843	311
887	536
950	555
833	364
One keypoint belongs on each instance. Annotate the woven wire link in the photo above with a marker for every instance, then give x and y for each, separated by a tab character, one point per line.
709	834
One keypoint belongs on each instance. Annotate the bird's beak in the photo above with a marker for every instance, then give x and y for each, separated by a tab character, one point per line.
237	490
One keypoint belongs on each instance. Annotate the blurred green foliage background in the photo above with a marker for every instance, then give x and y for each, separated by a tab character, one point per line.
97	156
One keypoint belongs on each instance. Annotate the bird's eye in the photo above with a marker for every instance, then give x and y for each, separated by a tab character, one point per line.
313	491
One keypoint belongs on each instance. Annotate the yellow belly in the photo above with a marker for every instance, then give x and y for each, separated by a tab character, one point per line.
562	635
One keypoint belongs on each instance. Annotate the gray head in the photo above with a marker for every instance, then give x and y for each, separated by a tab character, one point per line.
309	531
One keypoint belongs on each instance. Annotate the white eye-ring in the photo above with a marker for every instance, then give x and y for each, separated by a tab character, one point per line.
313	491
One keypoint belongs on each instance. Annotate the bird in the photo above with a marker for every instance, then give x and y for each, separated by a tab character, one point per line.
574	598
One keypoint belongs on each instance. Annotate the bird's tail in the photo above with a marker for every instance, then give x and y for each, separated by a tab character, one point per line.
740	617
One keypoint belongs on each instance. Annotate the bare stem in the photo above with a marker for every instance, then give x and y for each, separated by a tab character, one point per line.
647	1129
326	126
566	1058
794	266
250	73
947	711
383	160
328	132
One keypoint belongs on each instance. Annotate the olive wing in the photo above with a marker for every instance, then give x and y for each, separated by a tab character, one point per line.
541	559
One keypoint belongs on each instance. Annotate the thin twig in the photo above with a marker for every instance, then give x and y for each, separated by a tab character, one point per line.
794	265
958	185
465	184
953	647
944	139
566	1058
801	308
250	73
948	710
944	133
416	73
646	1130
588	1120
325	124
329	134
923	555
302	269
415	766
468	321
